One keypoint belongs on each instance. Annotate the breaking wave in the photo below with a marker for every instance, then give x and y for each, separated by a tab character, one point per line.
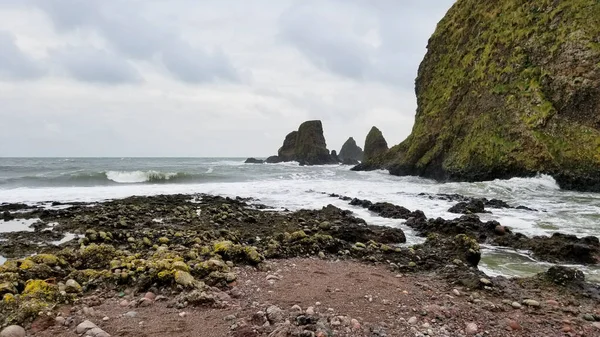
112	178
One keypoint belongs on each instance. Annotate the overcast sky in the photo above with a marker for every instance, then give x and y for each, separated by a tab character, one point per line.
205	78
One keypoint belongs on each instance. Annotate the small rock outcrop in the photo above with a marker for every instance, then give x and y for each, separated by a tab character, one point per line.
254	161
306	146
350	152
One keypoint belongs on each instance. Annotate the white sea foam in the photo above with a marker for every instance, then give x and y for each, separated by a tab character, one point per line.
130	177
287	185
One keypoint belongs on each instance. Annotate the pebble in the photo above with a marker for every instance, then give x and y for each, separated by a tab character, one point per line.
596	325
87	311
84	326
105	318
485	281
275	314
471	328
531	303
310	311
124	303
271	277
296	308
182	314
552	303
412	320
130	314
13	331
150	295
230	318
426	326
60	320
589	317
514	325
516	305
456	292
145	302
317	304
355	324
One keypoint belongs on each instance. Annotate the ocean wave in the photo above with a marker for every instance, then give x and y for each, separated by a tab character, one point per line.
104	178
132	177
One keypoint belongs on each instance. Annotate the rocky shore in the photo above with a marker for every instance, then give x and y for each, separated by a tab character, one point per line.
206	265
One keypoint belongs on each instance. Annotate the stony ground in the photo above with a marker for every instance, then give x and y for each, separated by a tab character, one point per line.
200	265
355	299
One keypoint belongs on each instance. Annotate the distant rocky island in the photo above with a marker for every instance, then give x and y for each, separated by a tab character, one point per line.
307	146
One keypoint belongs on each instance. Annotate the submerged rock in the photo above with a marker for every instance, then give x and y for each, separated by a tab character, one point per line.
254	161
502	95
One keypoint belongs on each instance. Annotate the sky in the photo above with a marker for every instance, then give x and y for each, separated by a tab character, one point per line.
211	78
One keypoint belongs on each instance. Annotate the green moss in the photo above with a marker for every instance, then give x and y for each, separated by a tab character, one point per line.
48	259
41	290
163	240
27	264
500	93
222	246
297	235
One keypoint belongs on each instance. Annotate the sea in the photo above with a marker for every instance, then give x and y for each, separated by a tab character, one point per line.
291	186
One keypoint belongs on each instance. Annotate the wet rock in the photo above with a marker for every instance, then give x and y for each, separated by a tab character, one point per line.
13	331
473	206
564	276
273	160
254	161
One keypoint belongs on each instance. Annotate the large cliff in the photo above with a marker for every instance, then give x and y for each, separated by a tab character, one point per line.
509	88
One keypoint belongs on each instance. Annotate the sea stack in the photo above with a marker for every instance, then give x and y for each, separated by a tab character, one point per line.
306	146
350	154
509	88
376	151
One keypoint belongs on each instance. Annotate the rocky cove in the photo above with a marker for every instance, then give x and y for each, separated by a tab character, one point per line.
187	254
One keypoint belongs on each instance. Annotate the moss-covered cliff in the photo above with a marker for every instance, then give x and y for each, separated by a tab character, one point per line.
509	88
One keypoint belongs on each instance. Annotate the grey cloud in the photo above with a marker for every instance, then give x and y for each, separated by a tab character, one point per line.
338	45
323	44
195	66
14	63
122	24
95	65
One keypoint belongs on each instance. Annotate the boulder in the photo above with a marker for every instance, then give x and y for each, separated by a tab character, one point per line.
13	331
351	152
502	95
254	161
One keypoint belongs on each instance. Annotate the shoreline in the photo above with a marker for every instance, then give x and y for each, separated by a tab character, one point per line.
202	243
